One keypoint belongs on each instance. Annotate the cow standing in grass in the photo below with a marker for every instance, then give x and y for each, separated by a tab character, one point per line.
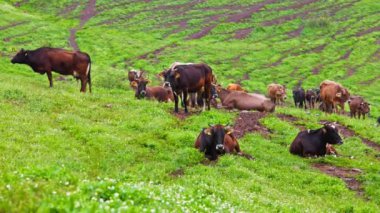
46	60
189	78
333	95
358	106
277	93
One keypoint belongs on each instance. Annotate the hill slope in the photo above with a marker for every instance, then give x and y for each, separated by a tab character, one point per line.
68	151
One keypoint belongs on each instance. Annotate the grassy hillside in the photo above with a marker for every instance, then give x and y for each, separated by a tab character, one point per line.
66	151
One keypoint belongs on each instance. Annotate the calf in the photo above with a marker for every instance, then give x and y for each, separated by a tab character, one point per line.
299	97
277	93
311	98
358	106
313	142
217	140
157	92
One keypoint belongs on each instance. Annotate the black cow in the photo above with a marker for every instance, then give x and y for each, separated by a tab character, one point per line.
189	78
378	121
313	142
311	98
217	140
299	97
45	60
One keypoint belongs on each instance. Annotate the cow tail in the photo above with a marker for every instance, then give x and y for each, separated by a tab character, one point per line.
88	71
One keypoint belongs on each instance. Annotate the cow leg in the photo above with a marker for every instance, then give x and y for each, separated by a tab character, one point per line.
176	102
83	83
363	116
50	77
185	98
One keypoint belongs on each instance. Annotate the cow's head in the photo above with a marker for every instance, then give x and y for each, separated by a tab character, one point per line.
165	76
141	88
364	107
132	75
330	133
172	77
214	93
21	57
217	133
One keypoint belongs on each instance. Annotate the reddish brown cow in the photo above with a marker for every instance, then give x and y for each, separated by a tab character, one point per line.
157	92
45	60
358	106
277	93
217	140
333	95
235	87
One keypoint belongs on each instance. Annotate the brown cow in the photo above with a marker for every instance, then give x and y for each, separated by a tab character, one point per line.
235	87
217	140
244	101
333	95
330	150
277	93
189	78
45	60
157	92
358	106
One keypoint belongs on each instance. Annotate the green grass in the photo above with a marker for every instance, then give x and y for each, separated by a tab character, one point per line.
65	151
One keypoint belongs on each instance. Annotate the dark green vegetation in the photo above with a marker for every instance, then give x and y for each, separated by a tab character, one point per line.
68	151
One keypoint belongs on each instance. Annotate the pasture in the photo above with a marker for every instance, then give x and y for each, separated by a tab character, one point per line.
65	151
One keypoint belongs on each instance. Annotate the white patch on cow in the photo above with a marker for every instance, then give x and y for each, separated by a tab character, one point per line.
333	126
75	73
339	94
178	63
308	131
88	68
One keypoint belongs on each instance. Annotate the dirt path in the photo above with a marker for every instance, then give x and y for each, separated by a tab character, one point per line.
297	32
291	119
243	33
69	9
345	174
346	132
86	14
370	30
248	13
249	122
12	25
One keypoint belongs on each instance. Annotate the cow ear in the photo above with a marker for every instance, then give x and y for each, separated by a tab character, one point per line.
207	131
134	83
177	75
229	130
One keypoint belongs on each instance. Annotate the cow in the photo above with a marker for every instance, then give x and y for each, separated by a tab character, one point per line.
277	93
311	98
156	92
299	97
313	142
217	140
358	106
189	78
333	95
235	87
244	101
330	150
45	60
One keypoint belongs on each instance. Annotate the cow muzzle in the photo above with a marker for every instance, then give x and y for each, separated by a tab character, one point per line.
167	84
340	142
220	147
143	93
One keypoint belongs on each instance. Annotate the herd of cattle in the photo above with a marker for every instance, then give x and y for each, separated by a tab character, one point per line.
196	86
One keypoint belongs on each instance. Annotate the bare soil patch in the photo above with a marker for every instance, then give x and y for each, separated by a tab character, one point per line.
297	5
242	33
248	13
296	33
86	14
12	25
350	71
345	174
203	32
249	122
177	173
69	9
317	69
156	51
346	132
346	55
368	31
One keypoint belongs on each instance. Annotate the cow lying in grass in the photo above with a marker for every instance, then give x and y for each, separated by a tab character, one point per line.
156	92
310	143
217	140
